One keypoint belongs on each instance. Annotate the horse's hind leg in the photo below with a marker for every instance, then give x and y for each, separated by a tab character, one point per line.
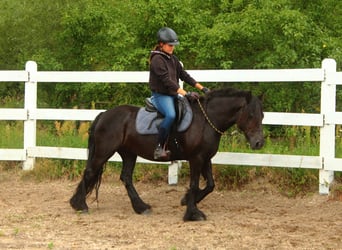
91	179
128	164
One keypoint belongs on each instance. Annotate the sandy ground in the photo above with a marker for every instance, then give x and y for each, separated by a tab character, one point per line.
38	216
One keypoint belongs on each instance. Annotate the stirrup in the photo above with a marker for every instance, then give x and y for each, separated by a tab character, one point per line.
161	154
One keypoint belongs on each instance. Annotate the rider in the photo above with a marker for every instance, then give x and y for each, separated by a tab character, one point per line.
165	72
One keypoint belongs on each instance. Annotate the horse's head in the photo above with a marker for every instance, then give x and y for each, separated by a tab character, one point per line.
242	109
250	121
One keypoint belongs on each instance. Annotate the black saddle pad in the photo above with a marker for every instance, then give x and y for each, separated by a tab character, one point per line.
147	123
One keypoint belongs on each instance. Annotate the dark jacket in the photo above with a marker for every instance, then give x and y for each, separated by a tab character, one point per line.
165	72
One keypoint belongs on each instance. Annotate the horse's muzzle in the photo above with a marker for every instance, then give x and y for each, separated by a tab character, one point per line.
258	144
256	141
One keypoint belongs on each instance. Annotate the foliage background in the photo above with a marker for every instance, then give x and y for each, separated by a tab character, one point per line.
118	35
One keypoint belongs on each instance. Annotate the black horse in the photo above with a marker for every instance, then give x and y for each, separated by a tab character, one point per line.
114	131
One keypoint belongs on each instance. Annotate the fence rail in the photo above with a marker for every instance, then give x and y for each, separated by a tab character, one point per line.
326	120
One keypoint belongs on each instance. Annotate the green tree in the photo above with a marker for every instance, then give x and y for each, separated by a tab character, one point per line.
29	31
267	35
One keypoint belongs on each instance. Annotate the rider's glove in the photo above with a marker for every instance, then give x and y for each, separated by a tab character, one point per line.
205	90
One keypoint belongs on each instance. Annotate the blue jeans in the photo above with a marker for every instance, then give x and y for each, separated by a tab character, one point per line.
166	106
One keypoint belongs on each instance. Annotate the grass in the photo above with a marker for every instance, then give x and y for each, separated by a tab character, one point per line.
58	134
12	134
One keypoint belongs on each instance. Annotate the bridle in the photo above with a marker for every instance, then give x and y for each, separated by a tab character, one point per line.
207	118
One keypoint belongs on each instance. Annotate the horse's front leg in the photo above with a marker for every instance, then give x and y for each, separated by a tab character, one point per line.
192	213
128	164
210	184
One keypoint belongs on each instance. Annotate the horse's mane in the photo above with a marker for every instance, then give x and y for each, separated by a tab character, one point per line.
226	92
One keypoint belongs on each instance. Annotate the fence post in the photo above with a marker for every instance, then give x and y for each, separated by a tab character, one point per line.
327	132
173	172
30	107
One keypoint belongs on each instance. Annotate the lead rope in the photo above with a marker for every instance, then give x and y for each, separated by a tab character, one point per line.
207	118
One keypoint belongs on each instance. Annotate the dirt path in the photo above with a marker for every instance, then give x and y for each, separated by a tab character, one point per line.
38	216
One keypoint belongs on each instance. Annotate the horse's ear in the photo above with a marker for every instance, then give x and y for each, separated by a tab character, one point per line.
248	96
261	97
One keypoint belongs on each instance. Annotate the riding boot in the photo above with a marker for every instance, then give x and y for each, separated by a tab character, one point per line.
160	153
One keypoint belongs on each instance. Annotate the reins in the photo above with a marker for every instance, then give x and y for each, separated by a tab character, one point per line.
208	120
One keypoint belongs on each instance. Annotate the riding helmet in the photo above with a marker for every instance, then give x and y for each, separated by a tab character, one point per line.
167	35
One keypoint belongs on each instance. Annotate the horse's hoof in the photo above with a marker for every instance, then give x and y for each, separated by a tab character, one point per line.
195	216
82	211
78	204
142	208
147	212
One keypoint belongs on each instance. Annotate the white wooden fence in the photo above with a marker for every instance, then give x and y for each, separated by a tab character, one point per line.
326	161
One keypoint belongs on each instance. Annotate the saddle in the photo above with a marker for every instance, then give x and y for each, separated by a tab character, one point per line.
148	117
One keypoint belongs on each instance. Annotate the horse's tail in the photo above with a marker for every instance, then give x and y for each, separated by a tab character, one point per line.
91	177
91	141
95	181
